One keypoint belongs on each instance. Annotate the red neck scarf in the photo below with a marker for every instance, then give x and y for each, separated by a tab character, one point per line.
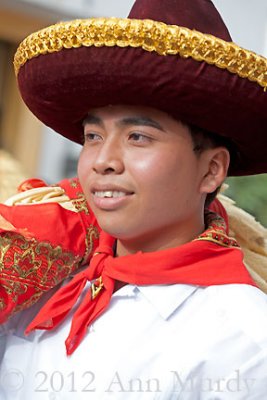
211	259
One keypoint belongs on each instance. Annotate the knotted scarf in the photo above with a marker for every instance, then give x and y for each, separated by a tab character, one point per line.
211	259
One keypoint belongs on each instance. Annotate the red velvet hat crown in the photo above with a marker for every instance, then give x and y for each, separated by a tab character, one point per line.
173	55
200	15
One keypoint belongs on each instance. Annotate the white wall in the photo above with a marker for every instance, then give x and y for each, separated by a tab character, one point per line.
246	21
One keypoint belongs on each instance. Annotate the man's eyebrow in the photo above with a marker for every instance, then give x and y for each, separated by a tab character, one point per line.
92	120
140	121
126	121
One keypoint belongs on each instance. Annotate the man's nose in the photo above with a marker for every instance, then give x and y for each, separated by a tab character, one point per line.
109	158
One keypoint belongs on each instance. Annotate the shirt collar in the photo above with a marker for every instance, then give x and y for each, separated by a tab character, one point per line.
165	298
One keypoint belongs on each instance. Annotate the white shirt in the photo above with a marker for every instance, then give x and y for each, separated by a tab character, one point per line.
154	342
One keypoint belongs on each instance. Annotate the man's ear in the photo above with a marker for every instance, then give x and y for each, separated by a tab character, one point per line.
216	163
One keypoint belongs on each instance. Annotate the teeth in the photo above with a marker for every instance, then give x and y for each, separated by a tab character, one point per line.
109	193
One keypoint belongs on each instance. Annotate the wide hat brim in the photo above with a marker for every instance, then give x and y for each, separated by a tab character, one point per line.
65	70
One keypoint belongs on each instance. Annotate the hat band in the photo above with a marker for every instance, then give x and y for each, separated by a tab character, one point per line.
150	36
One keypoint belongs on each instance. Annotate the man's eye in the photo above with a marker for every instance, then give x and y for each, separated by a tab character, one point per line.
139	137
91	137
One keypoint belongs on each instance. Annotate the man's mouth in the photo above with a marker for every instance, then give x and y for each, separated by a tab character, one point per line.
110	194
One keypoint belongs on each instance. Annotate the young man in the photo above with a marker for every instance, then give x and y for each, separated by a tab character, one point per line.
166	308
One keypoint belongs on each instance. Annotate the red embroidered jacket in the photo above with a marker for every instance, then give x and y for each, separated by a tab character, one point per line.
42	244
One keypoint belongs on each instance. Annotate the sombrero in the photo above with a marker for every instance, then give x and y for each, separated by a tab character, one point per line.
173	55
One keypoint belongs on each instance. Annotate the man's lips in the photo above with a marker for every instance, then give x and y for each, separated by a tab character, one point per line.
110	197
110	191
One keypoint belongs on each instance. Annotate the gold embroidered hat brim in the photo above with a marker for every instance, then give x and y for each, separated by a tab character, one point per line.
148	35
70	67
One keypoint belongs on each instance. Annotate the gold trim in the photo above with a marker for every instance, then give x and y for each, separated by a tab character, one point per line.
230	244
73	183
81	204
150	36
28	268
92	234
215	231
96	287
2	304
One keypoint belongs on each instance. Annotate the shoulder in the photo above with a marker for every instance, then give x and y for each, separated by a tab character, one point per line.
243	307
236	297
228	342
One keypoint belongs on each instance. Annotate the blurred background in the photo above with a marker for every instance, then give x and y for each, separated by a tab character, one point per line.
39	152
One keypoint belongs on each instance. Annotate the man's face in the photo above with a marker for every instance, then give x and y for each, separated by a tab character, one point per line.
141	176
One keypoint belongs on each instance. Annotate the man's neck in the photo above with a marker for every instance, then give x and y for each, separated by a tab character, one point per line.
157	241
